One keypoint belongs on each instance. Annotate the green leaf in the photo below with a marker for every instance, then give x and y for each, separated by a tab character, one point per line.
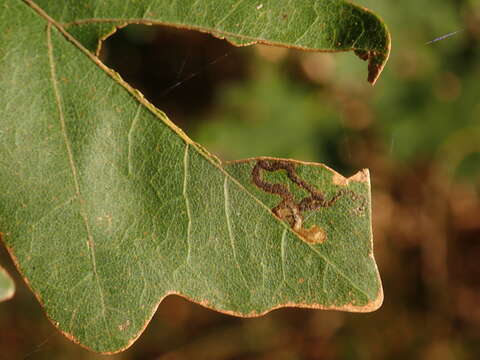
322	25
7	286
107	207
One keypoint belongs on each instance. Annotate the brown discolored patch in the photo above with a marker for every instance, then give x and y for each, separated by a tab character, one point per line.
375	63
338	179
123	326
361	176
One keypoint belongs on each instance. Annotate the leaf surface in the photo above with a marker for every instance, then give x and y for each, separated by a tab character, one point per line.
107	207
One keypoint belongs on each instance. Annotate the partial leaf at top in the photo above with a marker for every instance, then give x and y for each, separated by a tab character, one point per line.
321	25
107	207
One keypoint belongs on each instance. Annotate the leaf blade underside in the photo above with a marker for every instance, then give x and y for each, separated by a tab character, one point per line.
107	207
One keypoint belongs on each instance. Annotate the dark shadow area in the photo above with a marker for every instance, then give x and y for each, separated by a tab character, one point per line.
179	71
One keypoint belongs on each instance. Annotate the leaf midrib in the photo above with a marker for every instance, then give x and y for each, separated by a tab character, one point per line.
73	168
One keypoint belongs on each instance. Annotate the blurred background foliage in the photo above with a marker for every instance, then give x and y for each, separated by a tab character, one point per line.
418	131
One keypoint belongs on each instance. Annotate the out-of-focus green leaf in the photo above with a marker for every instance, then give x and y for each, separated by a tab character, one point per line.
107	207
7	286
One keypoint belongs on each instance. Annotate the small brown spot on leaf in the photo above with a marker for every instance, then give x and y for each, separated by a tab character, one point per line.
123	326
314	235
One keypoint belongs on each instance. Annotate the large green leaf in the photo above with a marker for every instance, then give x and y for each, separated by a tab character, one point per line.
7	286
107	207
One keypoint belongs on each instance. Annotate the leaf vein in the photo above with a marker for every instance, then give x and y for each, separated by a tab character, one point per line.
230	231
187	202
283	244
71	161
130	139
340	272
232	10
